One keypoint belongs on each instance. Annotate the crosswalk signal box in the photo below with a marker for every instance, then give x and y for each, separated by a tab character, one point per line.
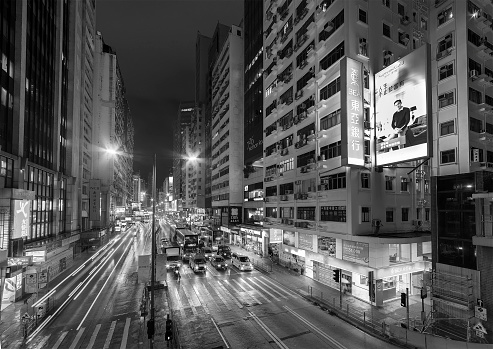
169	329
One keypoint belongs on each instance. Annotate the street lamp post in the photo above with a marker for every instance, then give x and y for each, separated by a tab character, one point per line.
153	247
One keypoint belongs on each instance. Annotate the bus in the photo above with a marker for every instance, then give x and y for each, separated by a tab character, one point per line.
188	240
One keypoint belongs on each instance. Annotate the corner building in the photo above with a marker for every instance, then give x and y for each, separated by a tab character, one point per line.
328	203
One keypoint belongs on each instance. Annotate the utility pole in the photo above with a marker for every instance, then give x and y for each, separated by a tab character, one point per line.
153	252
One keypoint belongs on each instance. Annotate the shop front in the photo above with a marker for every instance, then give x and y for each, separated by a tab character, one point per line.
253	239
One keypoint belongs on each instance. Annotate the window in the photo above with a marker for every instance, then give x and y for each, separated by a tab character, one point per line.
365	180
386	3
445	42
333	213
474	38
389	215
475	125
335	23
331	89
332	57
445	16
363	17
447	156
331	120
427	214
365	214
403	38
446	99
386	30
447	128
363	47
427	186
306	213
404	184
445	71
335	181
405	214
475	96
424	23
389	183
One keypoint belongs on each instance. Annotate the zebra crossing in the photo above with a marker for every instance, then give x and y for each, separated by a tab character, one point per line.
119	333
206	295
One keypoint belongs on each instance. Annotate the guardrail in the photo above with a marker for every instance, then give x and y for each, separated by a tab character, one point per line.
262	265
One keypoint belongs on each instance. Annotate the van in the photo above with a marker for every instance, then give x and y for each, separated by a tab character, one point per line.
198	263
242	262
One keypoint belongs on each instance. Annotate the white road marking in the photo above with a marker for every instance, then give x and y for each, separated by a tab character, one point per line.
279	293
60	340
123	345
180	304
314	328
236	290
220	333
43	342
267	330
210	298
201	299
190	301
77	338
93	337
110	335
253	290
222	299
279	286
263	289
230	295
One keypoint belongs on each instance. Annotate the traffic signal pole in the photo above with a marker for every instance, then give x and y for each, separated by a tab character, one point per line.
407	306
340	287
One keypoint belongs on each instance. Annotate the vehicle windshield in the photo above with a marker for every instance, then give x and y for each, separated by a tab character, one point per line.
219	259
207	250
173	258
244	259
225	249
199	260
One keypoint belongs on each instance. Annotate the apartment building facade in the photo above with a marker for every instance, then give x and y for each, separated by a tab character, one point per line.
338	194
227	131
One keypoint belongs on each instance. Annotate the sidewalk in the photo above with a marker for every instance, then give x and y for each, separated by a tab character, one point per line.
391	312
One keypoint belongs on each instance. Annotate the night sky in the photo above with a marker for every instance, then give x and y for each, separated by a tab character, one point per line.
155	45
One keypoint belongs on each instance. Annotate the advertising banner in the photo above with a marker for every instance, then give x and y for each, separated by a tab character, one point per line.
402	116
288	238
305	241
95	199
327	246
355	251
22	212
352	107
234	215
144	271
275	235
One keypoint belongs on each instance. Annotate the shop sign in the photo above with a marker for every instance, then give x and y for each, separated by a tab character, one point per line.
22	212
305	241
20	261
327	246
95	199
355	251
226	230
38	256
251	231
480	313
43	277
288	238
275	235
234	215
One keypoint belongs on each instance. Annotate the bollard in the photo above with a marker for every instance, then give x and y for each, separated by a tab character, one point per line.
311	291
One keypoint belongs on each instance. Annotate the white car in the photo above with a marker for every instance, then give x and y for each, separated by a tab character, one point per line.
242	262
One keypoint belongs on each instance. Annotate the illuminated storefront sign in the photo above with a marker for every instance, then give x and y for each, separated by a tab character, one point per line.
402	117
95	199
355	251
22	212
289	238
275	236
305	241
352	107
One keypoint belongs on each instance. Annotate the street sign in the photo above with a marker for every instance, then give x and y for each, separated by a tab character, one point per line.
480	313
31	278
43	277
479	334
479	302
479	327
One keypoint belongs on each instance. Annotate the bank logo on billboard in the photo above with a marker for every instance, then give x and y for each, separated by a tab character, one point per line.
22	212
402	116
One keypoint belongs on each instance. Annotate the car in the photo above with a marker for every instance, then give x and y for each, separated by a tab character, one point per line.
207	252
198	263
214	248
224	250
219	262
242	262
234	255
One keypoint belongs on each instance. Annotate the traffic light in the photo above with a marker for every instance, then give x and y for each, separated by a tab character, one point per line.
336	275
150	328
403	299
169	329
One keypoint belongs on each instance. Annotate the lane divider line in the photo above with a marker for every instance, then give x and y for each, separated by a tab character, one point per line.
220	333
267	330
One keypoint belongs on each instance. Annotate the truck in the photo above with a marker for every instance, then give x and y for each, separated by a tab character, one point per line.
173	255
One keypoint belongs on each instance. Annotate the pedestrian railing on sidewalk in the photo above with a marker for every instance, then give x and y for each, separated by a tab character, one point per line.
31	322
259	263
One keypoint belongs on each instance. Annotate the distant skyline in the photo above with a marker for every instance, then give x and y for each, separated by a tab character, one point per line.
155	45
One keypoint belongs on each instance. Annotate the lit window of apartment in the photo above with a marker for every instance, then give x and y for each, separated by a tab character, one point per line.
306	213
365	214
389	215
331	89
475	96
447	156
389	183
363	48
333	213
365	180
405	214
404	184
447	128
331	120
363	16
424	23
445	16
446	71
386	30
446	99
403	38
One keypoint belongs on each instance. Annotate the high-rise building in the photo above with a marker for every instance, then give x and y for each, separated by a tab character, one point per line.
346	177
227	130
253	184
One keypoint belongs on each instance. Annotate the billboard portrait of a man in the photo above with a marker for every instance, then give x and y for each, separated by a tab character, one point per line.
401	110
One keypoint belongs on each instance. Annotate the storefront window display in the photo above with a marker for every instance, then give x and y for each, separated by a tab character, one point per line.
327	246
399	253
360	287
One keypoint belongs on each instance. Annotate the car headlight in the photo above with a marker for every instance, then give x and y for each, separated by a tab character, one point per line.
167	265
225	265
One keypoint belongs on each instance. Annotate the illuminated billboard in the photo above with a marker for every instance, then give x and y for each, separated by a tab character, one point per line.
352	133
402	120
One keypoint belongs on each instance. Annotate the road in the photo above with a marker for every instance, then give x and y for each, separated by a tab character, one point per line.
99	308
